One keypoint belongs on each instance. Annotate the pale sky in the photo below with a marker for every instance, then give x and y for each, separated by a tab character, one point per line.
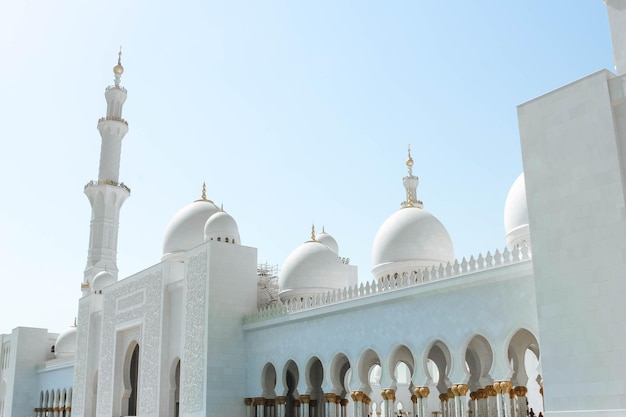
292	112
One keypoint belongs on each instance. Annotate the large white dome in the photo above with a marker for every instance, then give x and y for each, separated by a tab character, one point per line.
186	229
409	239
516	214
312	268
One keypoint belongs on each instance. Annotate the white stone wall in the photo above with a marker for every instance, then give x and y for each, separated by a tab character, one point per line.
221	287
575	196
494	304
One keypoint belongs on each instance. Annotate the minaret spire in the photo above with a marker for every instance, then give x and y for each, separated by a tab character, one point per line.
410	183
107	194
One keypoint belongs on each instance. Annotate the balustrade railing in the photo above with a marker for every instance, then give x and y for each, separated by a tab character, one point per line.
399	280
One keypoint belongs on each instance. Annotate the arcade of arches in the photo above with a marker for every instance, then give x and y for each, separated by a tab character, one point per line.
372	389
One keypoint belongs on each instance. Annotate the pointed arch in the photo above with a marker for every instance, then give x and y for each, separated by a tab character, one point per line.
339	372
130	380
439	353
479	361
521	341
314	376
174	388
290	378
368	359
268	381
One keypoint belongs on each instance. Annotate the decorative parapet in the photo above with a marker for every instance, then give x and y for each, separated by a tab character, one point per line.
117	119
107	182
400	280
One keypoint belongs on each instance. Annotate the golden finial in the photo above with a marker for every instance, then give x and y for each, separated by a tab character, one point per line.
74	322
313	233
222	207
119	69
409	161
203	196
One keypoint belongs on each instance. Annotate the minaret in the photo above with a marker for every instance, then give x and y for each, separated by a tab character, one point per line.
107	194
617	23
410	183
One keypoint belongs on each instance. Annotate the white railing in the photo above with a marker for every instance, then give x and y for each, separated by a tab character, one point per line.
401	279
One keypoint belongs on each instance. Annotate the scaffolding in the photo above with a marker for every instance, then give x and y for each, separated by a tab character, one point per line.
267	285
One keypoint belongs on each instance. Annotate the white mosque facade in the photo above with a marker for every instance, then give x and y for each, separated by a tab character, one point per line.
428	335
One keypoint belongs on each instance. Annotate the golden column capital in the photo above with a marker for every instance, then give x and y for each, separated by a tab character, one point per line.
344	402
281	400
490	391
505	386
388	394
366	399
450	393
459	390
520	390
443	397
337	399
496	387
271	402
455	390
473	395
247	401
330	397
357	396
305	399
424	392
414	399
259	401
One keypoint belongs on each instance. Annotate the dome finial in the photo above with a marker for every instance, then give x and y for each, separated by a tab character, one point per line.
74	322
118	70
409	162
410	183
203	197
313	233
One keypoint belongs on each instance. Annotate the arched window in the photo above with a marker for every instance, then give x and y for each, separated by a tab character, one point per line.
226	240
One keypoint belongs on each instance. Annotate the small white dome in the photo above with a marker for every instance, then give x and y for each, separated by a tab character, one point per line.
516	214
102	280
409	239
312	268
65	345
186	229
221	225
328	240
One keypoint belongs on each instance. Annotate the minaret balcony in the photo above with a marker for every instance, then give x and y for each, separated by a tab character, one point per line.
107	182
117	119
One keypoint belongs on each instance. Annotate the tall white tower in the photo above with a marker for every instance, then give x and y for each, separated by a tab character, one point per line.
617	24
107	194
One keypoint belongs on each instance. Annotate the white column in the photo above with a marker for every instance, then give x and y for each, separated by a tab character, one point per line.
304	405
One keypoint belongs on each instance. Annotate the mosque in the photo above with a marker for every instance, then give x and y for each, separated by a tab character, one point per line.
538	323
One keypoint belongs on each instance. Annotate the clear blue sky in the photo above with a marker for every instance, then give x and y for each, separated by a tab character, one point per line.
292	112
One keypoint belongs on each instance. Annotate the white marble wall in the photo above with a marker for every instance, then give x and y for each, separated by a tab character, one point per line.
575	196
